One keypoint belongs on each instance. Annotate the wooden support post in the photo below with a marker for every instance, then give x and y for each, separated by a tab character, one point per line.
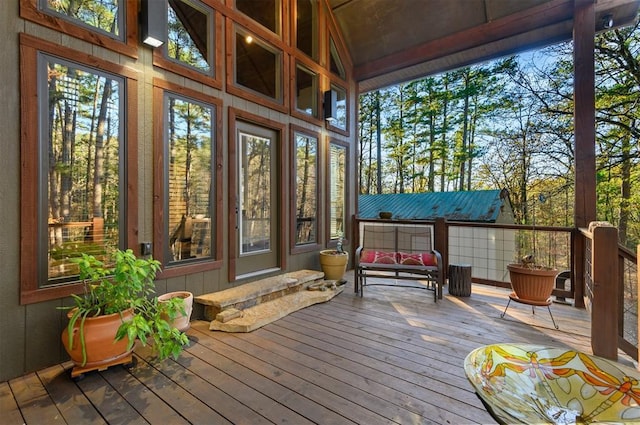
441	242
604	314
638	312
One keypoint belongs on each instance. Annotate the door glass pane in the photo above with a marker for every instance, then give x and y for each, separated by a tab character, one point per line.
306	189
104	15
255	193
265	12
189	147
306	91
307	27
81	155
257	67
190	34
337	187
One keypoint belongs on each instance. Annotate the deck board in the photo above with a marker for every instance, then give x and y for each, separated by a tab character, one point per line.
392	356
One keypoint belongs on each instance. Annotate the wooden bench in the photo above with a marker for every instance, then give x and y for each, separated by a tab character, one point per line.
400	253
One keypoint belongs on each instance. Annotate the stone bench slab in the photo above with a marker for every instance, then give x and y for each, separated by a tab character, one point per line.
250	294
267	312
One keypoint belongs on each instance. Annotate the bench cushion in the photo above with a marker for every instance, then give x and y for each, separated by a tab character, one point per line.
417	259
378	257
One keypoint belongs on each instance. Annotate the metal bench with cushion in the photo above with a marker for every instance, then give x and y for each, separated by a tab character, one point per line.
394	254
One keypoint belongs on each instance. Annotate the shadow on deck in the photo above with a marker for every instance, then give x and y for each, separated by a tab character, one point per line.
393	356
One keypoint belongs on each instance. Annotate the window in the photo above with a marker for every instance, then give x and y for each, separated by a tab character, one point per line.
112	24
306	188
77	136
106	16
306	91
307	27
190	35
335	63
188	176
340	120
257	66
264	12
337	190
81	145
189	184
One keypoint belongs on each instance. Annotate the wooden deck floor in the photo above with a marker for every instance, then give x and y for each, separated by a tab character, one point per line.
391	357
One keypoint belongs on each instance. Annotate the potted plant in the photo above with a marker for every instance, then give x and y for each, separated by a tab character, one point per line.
117	308
334	261
182	321
530	281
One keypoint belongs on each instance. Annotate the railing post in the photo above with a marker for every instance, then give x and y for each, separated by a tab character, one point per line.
638	313
604	315
441	242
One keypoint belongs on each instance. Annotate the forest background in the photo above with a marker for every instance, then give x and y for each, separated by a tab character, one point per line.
508	124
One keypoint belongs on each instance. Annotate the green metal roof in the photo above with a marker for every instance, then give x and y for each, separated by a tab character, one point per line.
477	206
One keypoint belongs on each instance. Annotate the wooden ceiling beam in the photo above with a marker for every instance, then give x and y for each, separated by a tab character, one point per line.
546	14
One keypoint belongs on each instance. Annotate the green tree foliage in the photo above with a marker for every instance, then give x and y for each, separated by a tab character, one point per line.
508	124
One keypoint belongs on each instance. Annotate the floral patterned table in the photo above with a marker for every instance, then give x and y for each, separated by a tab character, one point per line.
520	383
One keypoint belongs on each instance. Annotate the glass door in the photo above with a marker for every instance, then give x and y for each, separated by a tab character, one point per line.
257	209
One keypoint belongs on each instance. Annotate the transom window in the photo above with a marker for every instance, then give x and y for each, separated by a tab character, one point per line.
341	108
106	16
306	91
335	63
264	12
258	66
190	35
307	27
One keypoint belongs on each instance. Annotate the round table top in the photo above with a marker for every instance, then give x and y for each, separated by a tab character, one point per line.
533	384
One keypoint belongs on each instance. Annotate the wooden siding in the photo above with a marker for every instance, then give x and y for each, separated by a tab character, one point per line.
391	357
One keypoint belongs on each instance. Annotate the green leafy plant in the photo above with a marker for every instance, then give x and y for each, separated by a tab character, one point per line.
128	284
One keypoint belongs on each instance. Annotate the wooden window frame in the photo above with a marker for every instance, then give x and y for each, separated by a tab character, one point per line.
310	247
30	290
160	87
215	79
347	226
295	112
329	125
246	93
319	31
29	10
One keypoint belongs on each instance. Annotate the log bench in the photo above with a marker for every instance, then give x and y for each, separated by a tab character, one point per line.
393	254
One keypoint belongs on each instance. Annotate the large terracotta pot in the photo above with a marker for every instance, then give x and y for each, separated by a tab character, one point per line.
333	264
100	340
532	284
181	322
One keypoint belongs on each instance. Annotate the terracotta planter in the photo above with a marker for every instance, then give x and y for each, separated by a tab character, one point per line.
100	340
532	284
333	264
182	322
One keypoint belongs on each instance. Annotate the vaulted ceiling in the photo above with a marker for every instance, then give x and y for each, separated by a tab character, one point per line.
392	41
